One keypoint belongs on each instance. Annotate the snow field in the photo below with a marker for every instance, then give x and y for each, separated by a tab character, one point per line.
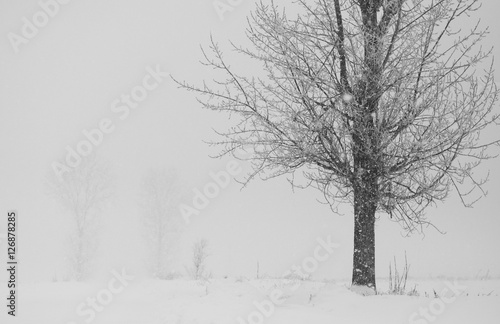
230	301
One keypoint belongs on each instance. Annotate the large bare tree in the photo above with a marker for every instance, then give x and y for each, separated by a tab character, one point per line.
83	192
377	103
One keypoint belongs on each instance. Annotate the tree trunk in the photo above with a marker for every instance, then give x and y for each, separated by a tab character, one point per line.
363	273
365	185
366	150
79	261
79	256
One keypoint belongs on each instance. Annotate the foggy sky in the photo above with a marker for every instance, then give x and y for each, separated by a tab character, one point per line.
64	80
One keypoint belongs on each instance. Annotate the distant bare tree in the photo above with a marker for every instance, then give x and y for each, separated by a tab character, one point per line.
83	192
161	193
376	103
199	258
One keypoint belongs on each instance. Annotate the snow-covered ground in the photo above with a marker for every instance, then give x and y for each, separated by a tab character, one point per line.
127	300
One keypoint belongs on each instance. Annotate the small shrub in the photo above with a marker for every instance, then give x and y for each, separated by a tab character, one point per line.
200	255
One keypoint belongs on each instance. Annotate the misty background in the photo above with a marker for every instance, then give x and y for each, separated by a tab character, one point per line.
64	80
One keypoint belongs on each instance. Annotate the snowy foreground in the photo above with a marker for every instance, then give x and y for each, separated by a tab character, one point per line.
124	300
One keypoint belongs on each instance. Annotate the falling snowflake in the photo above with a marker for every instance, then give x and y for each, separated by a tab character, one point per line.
347	97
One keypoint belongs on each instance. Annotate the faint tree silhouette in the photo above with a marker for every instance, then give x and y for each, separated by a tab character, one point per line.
160	197
82	192
198	270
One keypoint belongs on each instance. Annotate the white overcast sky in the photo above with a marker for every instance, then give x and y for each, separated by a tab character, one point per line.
64	80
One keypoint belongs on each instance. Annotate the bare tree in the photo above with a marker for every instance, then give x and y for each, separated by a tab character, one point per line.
376	103
83	192
200	255
160	197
